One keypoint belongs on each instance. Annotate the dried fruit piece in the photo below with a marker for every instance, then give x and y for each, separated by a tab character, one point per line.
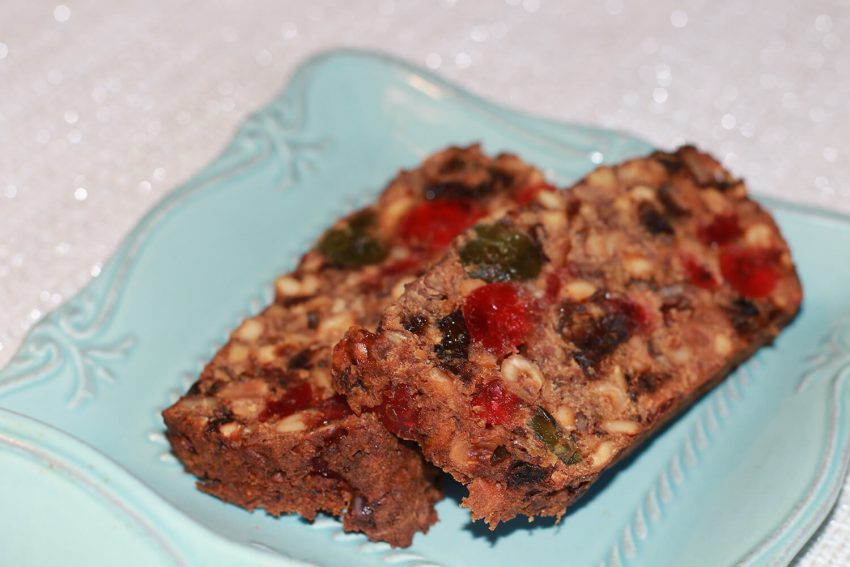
528	193
722	229
498	253
744	316
751	271
414	323
598	335
699	275
333	409
494	403
455	341
497	317
433	224
296	398
398	411
353	246
653	220
546	429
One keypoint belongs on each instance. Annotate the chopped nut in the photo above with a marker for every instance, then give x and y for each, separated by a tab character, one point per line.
393	213
288	286
759	235
245	408
722	345
622	426
579	290
254	388
395	337
459	453
566	417
250	330
321	378
553	221
266	354
618	398
398	288
440	380
714	200
469	285
523	376
595	245
637	266
602	455
292	423
335	325
229	429
642	193
680	355
237	353
603	178
550	200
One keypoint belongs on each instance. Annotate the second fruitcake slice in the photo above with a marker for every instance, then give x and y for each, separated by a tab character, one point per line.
262	427
549	344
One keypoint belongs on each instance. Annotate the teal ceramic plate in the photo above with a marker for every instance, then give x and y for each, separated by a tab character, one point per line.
745	476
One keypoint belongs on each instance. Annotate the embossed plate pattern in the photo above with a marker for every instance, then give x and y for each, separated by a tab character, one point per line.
745	476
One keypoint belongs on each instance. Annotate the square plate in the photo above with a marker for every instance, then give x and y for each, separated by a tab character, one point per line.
745	476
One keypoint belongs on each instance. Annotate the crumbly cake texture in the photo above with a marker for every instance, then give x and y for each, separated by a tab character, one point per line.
262	427
549	344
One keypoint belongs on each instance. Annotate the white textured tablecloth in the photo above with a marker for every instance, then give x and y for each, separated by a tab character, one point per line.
106	106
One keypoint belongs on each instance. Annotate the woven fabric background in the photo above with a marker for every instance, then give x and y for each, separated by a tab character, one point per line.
106	106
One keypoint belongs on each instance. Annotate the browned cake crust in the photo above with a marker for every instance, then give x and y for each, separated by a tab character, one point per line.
262	427
553	342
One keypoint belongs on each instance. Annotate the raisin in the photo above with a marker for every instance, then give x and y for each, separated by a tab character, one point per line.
546	429
497	317
722	229
398	411
744	316
670	162
433	224
652	219
297	398
195	389
454	190
353	246
302	360
598	336
312	319
414	323
751	271
500	453
645	382
320	467
523	474
670	204
494	403
455	343
498	253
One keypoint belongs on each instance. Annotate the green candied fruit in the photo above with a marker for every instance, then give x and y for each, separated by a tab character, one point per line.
353	246
498	253
545	428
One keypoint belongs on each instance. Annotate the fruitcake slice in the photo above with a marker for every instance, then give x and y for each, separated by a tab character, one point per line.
262	426
547	345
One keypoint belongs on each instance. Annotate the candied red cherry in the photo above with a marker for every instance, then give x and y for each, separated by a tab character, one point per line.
497	317
722	229
398	411
529	192
699	275
494	403
753	272
433	224
296	398
333	409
